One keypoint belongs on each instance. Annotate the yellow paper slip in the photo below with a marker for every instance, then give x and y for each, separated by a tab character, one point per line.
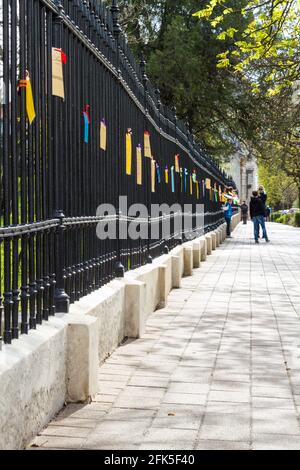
139	165
128	152
208	183
191	185
167	176
147	146
58	88
103	135
29	101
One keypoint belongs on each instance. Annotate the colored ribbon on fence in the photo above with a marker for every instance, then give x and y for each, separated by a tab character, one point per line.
139	165
158	173
216	192
177	169
58	59
197	188
184	180
191	185
103	135
87	121
173	178
220	193
153	168
208	183
194	177
181	179
128	152
167	175
63	56
147	145
203	188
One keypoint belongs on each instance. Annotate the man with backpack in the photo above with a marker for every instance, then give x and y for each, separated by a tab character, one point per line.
258	214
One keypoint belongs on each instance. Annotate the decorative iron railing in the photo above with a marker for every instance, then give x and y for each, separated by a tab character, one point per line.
71	94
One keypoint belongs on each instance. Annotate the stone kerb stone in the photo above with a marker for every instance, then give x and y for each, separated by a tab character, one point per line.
135	318
203	245
213	240
209	243
188	260
82	357
197	254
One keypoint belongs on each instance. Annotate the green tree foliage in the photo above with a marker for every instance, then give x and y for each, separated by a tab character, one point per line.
181	53
231	71
265	54
268	46
281	189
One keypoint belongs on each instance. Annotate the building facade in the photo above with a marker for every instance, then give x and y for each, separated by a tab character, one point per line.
244	172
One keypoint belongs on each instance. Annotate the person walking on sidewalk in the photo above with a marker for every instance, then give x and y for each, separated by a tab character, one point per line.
244	209
257	214
228	213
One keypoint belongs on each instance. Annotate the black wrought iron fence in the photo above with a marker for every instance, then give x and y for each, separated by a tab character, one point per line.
77	116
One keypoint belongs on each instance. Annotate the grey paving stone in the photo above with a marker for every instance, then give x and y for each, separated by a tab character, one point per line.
148	381
169	439
179	416
264	402
185	398
188	387
58	442
75	422
230	396
227	419
275	442
226	432
129	414
229	408
230	386
222	445
272	392
66	431
192	374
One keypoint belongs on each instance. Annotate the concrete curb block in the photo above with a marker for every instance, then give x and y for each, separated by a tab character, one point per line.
213	241
203	244
82	357
188	260
197	254
134	301
209	243
176	272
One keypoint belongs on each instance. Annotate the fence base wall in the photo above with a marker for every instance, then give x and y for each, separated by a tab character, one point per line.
32	383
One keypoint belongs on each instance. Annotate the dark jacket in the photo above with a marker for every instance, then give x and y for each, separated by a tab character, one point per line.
263	197
244	209
257	207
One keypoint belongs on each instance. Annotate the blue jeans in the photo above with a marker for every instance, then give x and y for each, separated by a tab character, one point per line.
257	222
228	222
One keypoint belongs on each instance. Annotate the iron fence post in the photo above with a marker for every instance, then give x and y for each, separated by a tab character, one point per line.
61	298
115	11
147	184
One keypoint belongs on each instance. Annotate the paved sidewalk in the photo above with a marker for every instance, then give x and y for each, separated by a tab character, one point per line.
219	368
